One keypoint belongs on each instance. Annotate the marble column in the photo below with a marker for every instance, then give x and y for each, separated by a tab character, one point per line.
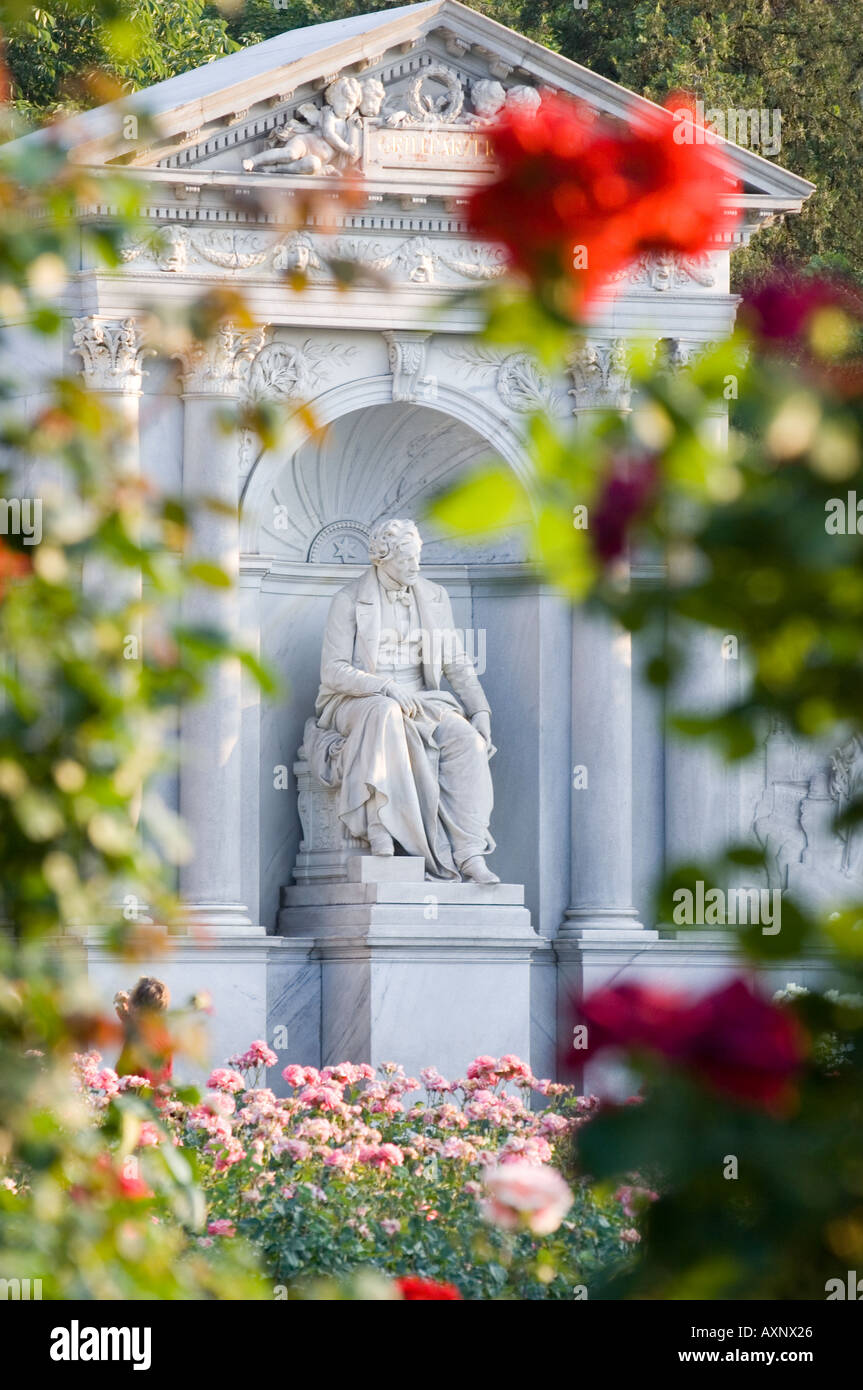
210	773
702	796
111	351
601	748
601	805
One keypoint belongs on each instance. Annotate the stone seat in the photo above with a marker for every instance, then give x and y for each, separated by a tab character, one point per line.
326	846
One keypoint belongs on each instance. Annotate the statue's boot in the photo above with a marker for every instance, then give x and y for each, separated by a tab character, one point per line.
381	841
475	870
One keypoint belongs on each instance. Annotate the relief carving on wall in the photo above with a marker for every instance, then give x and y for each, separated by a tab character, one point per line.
416	260
520	383
329	137
794	821
283	371
668	271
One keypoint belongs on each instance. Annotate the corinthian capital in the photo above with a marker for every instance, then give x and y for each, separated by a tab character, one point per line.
111	351
218	367
600	375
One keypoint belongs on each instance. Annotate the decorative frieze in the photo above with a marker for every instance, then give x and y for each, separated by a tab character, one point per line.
668	271
416	260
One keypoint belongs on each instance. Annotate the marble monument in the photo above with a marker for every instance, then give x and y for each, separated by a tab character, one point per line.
314	938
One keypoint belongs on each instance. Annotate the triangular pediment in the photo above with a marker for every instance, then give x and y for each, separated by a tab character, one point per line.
415	87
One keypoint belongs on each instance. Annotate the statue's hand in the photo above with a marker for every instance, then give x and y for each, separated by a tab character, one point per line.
482	723
407	705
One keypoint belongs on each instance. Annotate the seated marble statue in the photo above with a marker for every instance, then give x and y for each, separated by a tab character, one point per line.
414	763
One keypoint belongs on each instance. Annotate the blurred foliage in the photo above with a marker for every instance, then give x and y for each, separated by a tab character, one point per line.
751	535
743	531
755	1204
96	658
82	1208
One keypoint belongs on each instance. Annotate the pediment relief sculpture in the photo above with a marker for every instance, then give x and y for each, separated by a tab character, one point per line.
329	138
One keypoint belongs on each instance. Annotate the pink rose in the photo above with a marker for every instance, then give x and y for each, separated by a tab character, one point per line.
222	1227
296	1149
381	1156
520	1194
223	1079
258	1055
483	1066
149	1136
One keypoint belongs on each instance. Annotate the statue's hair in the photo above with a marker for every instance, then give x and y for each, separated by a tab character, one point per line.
528	98
388	535
349	85
487	90
372	87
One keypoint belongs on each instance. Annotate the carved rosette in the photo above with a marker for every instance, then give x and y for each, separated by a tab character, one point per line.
600	376
219	367
283	371
111	351
521	384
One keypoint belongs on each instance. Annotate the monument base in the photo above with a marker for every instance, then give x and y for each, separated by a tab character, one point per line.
424	973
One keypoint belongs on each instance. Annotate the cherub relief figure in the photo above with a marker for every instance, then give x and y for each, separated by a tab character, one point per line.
327	142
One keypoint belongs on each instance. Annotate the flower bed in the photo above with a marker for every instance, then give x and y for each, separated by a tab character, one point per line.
352	1172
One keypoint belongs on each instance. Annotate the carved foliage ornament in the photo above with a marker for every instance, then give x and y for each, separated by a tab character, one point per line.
218	367
426	106
281	371
600	376
110	352
520	383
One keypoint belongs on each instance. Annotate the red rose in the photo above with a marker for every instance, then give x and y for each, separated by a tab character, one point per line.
413	1288
623	496
745	1045
741	1044
782	315
577	198
780	310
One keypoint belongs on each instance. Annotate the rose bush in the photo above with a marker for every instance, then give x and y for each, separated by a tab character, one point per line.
425	1179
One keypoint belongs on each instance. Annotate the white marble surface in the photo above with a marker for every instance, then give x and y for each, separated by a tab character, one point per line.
400	985
233	970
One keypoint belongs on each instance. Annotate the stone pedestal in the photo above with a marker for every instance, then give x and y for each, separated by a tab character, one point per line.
413	971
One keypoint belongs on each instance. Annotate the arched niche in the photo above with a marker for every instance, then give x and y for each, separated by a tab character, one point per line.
307	513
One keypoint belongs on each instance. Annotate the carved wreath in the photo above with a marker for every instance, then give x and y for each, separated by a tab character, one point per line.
444	108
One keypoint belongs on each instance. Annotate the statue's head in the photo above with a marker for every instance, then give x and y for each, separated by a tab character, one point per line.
374	96
344	96
394	550
526	99
488	97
